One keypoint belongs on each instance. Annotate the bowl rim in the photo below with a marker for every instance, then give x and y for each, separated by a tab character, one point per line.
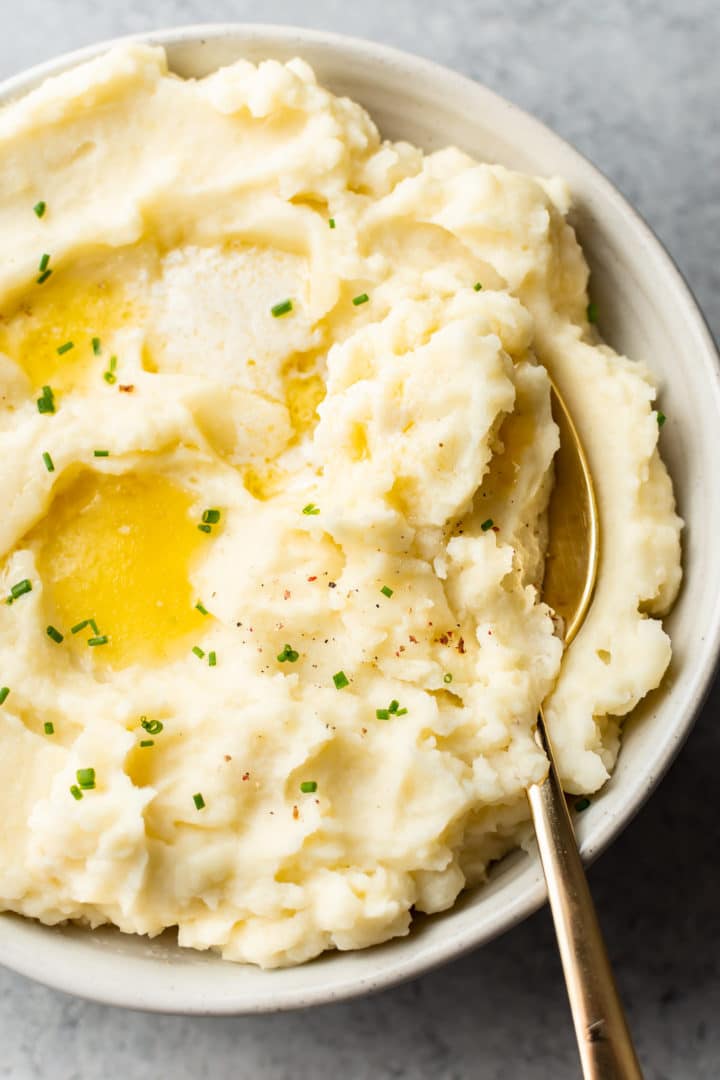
31	961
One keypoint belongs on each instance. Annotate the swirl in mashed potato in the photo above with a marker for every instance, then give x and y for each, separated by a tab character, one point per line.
276	449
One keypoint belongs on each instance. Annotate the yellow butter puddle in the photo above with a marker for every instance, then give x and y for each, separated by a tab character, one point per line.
74	306
119	550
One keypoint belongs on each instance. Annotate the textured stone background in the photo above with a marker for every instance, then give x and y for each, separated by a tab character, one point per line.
635	84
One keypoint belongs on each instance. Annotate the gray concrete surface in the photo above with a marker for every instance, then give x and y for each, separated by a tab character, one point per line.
635	85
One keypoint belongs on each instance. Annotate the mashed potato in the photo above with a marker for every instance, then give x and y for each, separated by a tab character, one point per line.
276	448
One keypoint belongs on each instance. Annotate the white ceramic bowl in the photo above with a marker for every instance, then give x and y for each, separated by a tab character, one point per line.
648	313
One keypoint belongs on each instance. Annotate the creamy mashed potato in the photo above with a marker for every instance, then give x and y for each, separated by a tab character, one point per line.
276	449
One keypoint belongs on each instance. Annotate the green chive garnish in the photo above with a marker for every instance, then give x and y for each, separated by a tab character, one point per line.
94	625
201	608
153	727
282	308
46	402
661	418
49	465
205	528
101	453
212	659
39	209
592	313
331	222
199	801
211	517
54	634
382	714
49	727
66	347
393	706
43	277
101	639
86	779
96	348
76	792
308	786
488	524
289	654
401	712
582	804
44	263
311	508
198	651
109	375
147	742
387	591
447	677
361	299
4	691
477	286
79	626
20	588
340	679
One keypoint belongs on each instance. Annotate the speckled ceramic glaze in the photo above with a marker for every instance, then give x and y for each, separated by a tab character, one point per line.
648	313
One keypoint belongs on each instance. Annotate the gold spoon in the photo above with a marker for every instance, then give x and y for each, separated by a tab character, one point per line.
604	1042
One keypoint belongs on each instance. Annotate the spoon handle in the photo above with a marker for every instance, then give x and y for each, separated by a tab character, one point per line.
604	1042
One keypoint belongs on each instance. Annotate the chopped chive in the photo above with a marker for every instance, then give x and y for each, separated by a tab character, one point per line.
361	299
101	639
96	347
205	528
289	654
46	401
147	742
76	792
153	727
401	712
382	714
308	786
43	265
199	801
340	679
86	779
49	727
211	517
212	658
282	308
201	608
198	651
592	312
20	588
331	222
43	277
582	804
101	453
387	591
39	209
49	464
54	634
79	626
661	418
488	524
394	706
477	286
311	508
109	375
94	626
4	691
65	347
447	677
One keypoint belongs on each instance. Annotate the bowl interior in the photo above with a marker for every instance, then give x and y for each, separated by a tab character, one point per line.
647	313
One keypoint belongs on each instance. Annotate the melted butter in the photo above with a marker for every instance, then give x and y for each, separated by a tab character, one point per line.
264	483
119	549
303	394
70	306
